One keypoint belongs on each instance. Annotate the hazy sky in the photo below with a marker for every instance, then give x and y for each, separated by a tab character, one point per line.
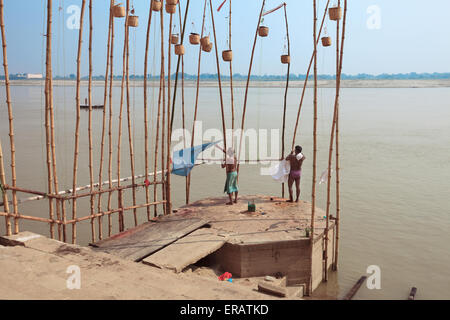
384	36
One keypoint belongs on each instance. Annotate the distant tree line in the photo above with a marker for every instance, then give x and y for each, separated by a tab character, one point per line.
293	77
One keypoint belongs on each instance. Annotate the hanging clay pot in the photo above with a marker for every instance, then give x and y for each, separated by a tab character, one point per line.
172	2
285	59
204	41
119	11
326	41
156	5
194	38
174	39
133	21
171	8
335	13
207	48
179	50
263	31
227	55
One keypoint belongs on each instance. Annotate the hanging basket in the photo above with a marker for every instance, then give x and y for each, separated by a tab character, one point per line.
172	2
179	50
208	47
285	59
194	38
335	13
227	55
171	8
119	11
204	41
326	41
263	31
133	21
174	39
156	5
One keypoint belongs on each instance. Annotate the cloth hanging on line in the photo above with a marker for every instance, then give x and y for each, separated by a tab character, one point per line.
280	172
183	161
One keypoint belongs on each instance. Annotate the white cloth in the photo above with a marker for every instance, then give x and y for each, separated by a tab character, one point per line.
299	156
280	172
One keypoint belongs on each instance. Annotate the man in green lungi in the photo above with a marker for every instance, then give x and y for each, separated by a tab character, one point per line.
231	186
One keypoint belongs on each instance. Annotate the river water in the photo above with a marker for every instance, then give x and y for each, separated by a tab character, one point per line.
395	159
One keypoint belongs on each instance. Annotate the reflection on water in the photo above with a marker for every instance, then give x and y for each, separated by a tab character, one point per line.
395	171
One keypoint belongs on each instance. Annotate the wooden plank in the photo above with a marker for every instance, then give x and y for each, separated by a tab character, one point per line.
144	240
272	289
187	250
355	288
412	293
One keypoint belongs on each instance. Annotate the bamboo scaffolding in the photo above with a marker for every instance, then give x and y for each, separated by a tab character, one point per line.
43	195
169	122
248	82
338	208
11	122
224	129
48	99
2	185
110	159
105	101
124	70
313	202
285	92
196	101
77	124
147	44
129	125
91	160
317	39
75	221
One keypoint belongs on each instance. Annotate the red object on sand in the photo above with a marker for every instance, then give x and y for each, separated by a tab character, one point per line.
225	276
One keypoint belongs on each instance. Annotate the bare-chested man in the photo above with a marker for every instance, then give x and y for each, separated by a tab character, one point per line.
295	159
231	186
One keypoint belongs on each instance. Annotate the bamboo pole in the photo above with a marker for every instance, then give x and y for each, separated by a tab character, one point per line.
52	135
77	124
183	120
224	129
307	75
338	208
110	159
196	101
91	160
313	202
285	92
105	101
169	125
147	44
163	121
158	119
10	118
130	139
124	69
3	183
248	82
231	78
180	58
48	75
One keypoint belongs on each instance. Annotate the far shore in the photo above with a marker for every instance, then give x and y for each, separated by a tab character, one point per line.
443	83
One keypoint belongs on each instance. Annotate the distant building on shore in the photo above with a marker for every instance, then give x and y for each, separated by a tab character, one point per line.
27	76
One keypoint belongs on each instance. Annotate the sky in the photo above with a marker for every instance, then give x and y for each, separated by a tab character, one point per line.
384	36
